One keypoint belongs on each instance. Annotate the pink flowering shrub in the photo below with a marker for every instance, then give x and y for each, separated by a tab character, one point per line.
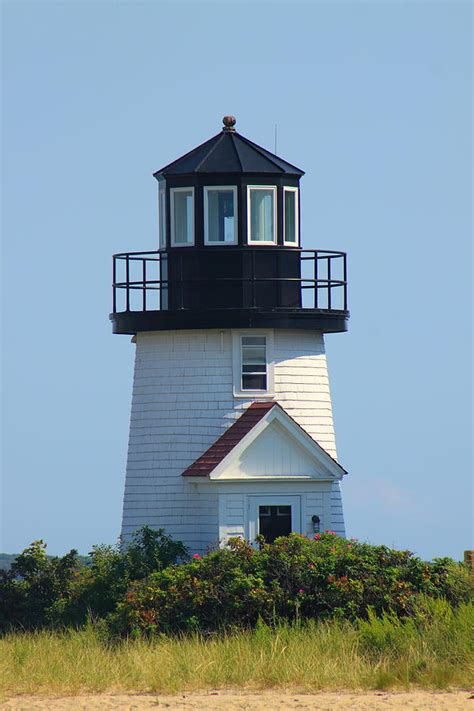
293	578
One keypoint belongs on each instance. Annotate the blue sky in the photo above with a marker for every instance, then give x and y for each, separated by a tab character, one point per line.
372	100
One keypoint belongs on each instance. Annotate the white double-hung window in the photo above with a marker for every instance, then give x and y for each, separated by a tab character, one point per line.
261	209
290	216
182	216
220	215
254	363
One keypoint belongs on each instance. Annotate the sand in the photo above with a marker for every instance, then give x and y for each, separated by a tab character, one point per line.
242	701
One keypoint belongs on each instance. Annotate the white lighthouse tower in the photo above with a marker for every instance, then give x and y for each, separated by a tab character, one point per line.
231	430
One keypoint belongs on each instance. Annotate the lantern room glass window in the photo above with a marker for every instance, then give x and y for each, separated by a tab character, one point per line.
261	214
182	217
290	219
220	215
254	362
162	216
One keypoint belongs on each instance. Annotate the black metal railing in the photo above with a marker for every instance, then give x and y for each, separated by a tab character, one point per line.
142	281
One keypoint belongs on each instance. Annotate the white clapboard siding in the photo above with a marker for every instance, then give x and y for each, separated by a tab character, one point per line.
183	400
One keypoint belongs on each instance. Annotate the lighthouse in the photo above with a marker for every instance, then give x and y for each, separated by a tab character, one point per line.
231	427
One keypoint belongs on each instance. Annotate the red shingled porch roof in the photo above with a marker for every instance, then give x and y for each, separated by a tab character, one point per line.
231	437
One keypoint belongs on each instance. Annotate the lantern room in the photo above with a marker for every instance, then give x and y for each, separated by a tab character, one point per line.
229	248
228	192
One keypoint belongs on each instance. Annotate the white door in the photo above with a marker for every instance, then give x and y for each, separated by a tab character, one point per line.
273	515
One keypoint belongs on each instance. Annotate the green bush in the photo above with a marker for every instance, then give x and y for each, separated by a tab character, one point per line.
111	571
40	591
35	587
294	578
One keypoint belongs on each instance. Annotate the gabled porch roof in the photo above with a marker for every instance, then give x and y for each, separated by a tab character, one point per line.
250	425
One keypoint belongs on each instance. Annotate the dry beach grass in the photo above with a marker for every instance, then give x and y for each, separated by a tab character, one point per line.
379	654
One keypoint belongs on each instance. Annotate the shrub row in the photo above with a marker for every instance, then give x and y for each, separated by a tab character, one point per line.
148	589
294	578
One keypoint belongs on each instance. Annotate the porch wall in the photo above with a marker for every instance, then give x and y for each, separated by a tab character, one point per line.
315	499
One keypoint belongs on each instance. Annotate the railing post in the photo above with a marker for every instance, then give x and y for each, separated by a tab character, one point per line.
329	282
254	301
144	283
345	281
127	281
114	289
164	262
316	285
158	291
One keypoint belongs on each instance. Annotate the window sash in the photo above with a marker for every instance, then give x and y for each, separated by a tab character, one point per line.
261	224
254	382
254	340
254	355
290	216
226	233
182	217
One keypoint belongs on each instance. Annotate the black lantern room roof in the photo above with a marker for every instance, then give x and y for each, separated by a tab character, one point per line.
229	152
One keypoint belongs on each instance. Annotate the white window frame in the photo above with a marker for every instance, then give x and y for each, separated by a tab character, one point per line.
206	214
162	217
254	503
267	394
287	189
173	191
249	215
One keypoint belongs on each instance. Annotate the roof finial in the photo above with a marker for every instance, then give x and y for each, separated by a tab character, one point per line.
229	123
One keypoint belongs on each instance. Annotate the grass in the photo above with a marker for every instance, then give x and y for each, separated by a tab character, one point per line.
433	651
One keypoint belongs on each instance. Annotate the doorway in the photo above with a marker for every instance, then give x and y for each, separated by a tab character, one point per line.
273	516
